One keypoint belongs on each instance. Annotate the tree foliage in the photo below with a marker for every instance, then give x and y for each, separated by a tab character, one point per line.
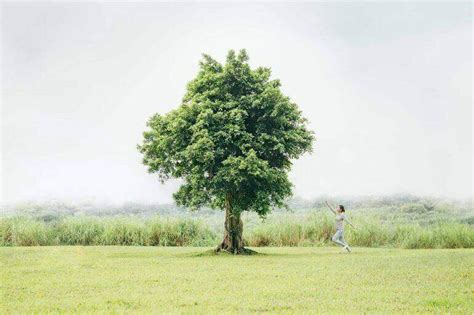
232	138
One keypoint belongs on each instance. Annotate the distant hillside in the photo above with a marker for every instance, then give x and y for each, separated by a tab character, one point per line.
396	208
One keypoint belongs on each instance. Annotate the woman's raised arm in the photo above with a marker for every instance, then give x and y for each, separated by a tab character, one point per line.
331	208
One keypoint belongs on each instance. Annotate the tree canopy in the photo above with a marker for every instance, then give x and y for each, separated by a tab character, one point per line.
231	140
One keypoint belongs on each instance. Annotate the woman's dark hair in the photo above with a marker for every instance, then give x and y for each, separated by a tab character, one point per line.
342	208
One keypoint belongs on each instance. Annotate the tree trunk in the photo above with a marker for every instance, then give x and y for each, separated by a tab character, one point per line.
233	228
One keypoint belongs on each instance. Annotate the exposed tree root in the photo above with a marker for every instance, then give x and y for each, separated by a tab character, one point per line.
235	251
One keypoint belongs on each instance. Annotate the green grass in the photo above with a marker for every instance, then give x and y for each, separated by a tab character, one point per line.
281	280
310	230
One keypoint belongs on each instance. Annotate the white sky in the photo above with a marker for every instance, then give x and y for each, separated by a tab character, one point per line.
386	87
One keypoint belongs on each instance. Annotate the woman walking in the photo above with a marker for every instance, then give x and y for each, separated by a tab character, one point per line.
338	237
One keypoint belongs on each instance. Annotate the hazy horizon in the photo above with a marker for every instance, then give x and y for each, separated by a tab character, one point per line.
387	88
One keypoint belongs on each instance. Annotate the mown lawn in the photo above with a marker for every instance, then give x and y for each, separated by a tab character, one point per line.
281	280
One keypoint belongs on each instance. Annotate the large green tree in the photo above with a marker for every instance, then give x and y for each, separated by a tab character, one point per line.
231	141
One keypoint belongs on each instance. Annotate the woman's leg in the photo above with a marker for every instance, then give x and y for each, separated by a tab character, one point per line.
338	238
344	241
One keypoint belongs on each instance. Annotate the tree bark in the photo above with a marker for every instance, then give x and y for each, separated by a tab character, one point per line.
233	241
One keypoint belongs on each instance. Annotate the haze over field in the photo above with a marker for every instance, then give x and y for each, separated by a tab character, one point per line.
386	87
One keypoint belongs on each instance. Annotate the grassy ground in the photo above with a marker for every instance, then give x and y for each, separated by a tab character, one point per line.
282	280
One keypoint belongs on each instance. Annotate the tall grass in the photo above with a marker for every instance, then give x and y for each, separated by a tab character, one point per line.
110	231
309	231
313	230
318	229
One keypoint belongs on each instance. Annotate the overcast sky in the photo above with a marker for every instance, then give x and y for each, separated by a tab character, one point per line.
386	88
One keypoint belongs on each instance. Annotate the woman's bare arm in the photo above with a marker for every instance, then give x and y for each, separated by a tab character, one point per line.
331	208
349	222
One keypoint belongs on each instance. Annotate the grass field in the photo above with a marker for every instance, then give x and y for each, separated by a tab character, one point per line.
282	280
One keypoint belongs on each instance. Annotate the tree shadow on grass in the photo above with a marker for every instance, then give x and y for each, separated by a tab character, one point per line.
214	252
289	254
